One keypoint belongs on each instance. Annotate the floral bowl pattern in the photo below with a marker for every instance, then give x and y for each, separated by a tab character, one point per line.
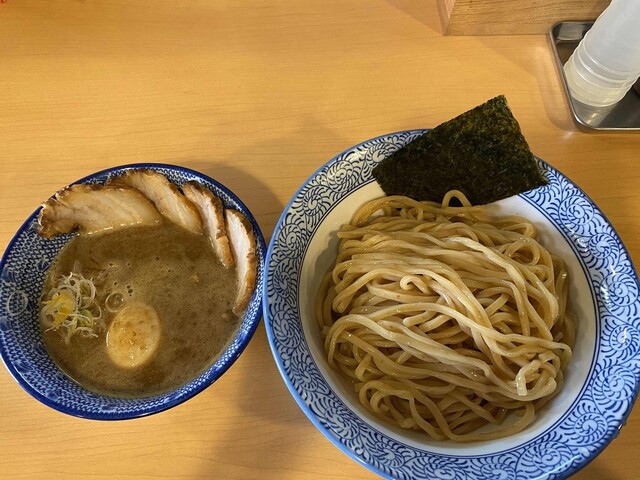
602	378
22	272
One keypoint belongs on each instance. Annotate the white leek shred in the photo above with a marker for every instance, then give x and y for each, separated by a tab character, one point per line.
71	307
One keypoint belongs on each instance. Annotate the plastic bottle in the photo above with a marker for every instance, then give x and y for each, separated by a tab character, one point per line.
606	63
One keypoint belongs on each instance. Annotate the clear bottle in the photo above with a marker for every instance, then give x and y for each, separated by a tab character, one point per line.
606	63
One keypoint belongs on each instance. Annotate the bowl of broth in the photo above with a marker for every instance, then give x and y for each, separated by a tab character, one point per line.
128	292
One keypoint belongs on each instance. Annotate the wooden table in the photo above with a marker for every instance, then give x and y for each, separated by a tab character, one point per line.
257	95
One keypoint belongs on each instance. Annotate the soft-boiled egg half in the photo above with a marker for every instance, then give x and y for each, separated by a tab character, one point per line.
134	335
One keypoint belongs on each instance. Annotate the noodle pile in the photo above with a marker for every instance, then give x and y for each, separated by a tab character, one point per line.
446	319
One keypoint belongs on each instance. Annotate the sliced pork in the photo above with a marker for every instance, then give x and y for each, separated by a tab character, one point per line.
243	246
143	197
94	208
212	214
167	198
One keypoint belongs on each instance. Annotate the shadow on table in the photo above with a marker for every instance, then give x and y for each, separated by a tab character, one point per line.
274	434
421	12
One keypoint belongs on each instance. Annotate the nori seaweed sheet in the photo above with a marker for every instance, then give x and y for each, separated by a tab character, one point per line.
481	152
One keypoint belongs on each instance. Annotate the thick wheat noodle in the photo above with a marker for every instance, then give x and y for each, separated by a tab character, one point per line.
446	319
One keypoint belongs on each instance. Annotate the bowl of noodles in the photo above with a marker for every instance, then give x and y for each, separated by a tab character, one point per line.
448	340
148	303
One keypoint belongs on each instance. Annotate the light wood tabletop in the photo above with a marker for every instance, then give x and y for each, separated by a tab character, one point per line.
257	95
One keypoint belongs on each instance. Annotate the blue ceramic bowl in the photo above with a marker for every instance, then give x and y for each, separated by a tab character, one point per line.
601	380
22	273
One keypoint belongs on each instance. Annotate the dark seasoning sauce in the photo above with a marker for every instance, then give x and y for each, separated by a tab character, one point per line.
172	270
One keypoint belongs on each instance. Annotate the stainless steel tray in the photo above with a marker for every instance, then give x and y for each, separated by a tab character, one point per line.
623	116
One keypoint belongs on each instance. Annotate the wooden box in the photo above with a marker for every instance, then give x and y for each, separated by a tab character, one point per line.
512	17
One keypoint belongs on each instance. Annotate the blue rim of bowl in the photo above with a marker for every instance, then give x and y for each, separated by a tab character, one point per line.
357	456
230	354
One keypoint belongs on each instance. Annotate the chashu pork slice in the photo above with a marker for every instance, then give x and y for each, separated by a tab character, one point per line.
95	208
212	214
243	246
167	198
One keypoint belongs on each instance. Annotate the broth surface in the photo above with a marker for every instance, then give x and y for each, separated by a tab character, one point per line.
172	270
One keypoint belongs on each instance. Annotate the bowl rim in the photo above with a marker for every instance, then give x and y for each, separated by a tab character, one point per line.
233	349
316	421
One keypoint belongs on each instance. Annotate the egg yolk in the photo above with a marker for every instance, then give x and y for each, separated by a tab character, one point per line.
134	335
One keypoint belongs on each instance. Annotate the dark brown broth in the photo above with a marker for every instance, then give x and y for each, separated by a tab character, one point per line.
172	270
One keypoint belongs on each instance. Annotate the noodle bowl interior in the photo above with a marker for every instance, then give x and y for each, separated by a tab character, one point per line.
444	320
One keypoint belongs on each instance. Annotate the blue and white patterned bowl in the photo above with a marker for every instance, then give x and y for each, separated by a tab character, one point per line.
601	381
22	272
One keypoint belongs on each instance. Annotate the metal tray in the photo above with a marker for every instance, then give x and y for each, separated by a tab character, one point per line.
623	116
